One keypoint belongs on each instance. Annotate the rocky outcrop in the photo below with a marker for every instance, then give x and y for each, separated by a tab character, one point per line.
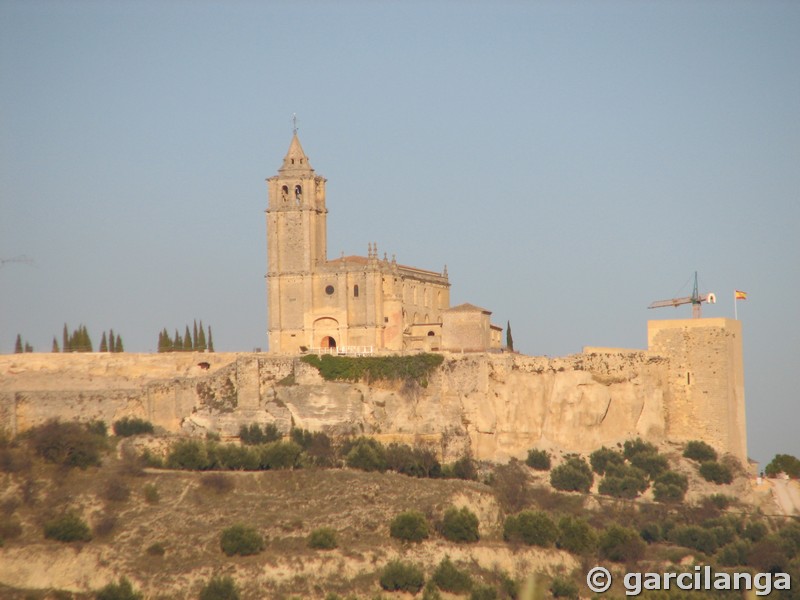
494	406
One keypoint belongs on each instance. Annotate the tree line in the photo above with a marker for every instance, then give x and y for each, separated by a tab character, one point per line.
194	340
77	341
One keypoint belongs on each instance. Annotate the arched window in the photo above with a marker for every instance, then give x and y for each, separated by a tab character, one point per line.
431	334
355	291
285	193
298	193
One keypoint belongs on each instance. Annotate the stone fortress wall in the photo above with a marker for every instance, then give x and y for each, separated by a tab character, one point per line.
687	385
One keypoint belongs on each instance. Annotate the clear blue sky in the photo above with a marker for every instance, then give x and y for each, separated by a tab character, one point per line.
570	162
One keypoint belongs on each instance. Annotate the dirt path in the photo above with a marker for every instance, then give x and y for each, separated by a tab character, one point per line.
787	495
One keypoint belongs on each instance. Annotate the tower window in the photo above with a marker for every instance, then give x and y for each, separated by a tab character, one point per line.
285	192
355	291
298	193
329	290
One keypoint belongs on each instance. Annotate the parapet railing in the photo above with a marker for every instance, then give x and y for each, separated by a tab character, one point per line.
345	350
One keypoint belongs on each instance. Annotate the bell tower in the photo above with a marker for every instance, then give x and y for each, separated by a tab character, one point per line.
296	245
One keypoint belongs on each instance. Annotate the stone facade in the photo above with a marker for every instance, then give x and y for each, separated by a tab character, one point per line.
367	302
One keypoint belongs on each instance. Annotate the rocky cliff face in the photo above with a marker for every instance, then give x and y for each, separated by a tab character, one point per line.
494	406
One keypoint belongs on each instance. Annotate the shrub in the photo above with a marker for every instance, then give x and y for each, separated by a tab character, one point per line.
69	444
151	494
621	544
651	533
217	482
699	451
510	487
716	473
652	463
118	591
402	577
67	528
156	549
234	457
561	587
409	526
670	487
279	455
694	537
623	481
576	535
254	435
97	427
367	454
128	426
241	540
220	588
483	592
733	554
604	457
533	528
538	459
574	475
415	462
755	531
190	455
632	448
459	525
718	501
464	468
323	538
116	491
431	592
450	578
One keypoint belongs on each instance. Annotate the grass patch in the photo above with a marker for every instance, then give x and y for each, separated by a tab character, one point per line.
415	368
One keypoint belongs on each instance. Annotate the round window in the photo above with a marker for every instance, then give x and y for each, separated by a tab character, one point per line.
329	290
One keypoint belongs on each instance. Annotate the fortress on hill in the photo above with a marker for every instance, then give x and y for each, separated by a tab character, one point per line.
492	404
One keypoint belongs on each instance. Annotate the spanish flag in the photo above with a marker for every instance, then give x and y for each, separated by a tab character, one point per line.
741	295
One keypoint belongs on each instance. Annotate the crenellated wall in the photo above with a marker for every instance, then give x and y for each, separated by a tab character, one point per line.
495	406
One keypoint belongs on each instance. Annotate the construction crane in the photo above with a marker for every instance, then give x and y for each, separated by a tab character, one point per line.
696	300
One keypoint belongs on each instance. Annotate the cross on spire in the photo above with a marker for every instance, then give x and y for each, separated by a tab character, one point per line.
294	123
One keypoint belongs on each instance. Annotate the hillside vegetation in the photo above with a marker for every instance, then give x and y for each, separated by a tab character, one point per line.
81	517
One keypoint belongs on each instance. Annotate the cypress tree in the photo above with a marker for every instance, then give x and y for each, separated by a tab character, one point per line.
201	342
187	340
55	345
28	347
111	340
509	338
87	342
177	343
194	336
161	341
104	343
18	345
65	340
210	340
167	341
118	344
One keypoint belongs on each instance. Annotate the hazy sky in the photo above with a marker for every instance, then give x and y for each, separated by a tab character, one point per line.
569	162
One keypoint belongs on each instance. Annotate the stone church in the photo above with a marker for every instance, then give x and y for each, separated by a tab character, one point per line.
352	304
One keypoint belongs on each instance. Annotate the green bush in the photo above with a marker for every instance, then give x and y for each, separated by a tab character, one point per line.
574	475
699	451
67	528
399	576
449	578
718	501
415	462
280	455
254	435
118	591
621	544
323	538
128	426
190	455
716	473
670	487
783	463
367	454
651	533
459	525
483	592
464	468
538	460
561	587
755	531
156	549
409	526
604	457
623	481
415	368
694	537
733	554
70	444
509	483
241	540
632	448
575	535
220	588
533	528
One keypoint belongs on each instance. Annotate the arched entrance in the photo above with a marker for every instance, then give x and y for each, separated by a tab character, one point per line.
326	332
327	342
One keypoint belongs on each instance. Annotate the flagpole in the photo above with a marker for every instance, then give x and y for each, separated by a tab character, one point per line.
735	313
